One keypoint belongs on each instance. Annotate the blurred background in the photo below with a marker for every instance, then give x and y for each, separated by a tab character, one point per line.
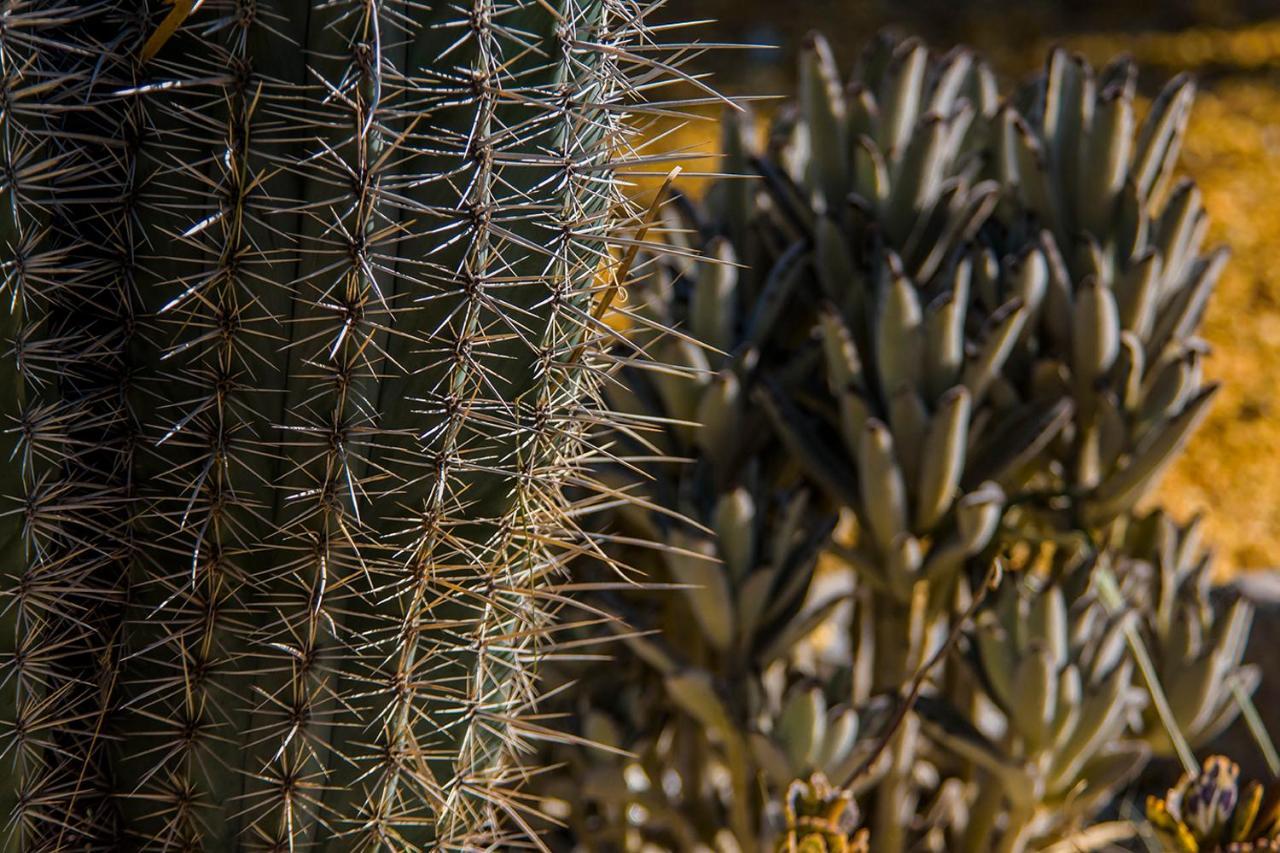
1231	470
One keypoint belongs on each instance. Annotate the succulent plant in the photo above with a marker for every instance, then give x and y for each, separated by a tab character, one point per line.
1207	812
1197	642
892	148
894	444
1055	212
821	820
741	540
300	300
900	432
1048	727
929	317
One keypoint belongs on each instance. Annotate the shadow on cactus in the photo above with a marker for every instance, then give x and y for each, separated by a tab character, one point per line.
961	325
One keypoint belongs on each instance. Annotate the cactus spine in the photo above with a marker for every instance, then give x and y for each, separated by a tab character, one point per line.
345	328
64	320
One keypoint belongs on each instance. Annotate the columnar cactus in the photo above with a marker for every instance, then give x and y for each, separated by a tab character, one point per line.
64	319
303	292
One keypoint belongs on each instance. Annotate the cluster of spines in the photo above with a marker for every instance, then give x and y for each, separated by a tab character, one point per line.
197	429
65	324
546	415
318	337
205	280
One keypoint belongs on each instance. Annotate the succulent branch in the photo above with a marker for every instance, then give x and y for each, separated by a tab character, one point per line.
1196	640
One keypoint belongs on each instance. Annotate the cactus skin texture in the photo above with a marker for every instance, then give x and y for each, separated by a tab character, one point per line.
320	326
1207	812
64	316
